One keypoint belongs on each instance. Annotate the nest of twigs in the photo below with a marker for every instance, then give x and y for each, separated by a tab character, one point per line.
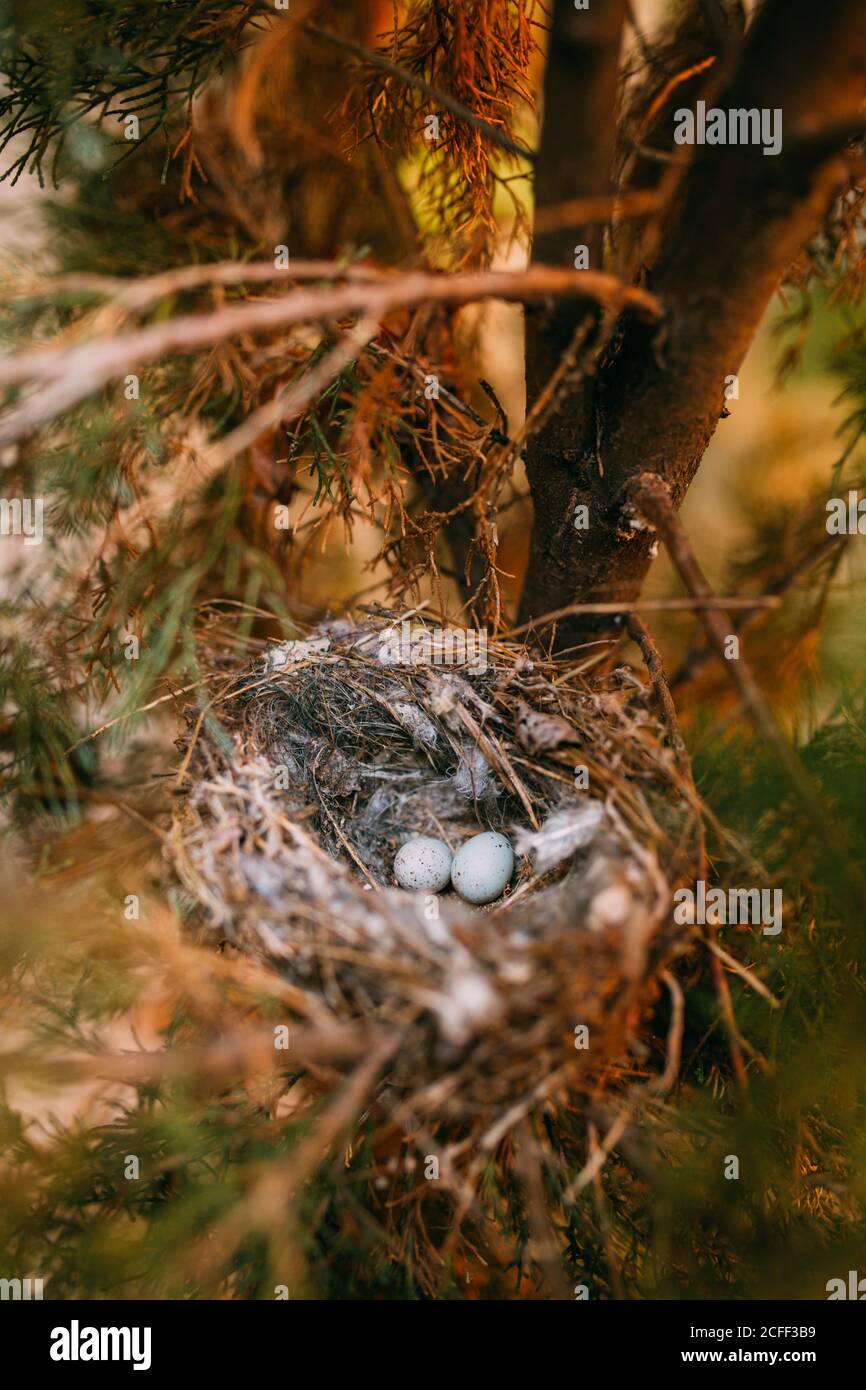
308	770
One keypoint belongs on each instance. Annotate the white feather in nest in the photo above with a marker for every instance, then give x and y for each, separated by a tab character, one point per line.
561	835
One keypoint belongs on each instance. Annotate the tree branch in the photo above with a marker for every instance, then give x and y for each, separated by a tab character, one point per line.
73	373
736	221
651	498
448	103
574	166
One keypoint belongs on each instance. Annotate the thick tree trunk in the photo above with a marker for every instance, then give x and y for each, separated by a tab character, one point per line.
735	224
575	160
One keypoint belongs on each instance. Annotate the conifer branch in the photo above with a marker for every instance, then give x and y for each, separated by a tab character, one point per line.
73	373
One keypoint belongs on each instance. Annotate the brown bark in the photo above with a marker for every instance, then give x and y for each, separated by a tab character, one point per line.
736	222
574	160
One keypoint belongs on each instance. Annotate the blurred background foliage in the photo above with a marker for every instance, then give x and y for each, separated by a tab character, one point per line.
80	977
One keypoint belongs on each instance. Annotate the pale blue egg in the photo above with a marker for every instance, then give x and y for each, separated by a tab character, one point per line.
482	867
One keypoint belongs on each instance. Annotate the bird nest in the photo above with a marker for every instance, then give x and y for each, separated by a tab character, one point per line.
305	774
309	772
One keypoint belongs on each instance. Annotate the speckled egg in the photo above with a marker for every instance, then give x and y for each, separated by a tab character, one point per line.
423	865
482	867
